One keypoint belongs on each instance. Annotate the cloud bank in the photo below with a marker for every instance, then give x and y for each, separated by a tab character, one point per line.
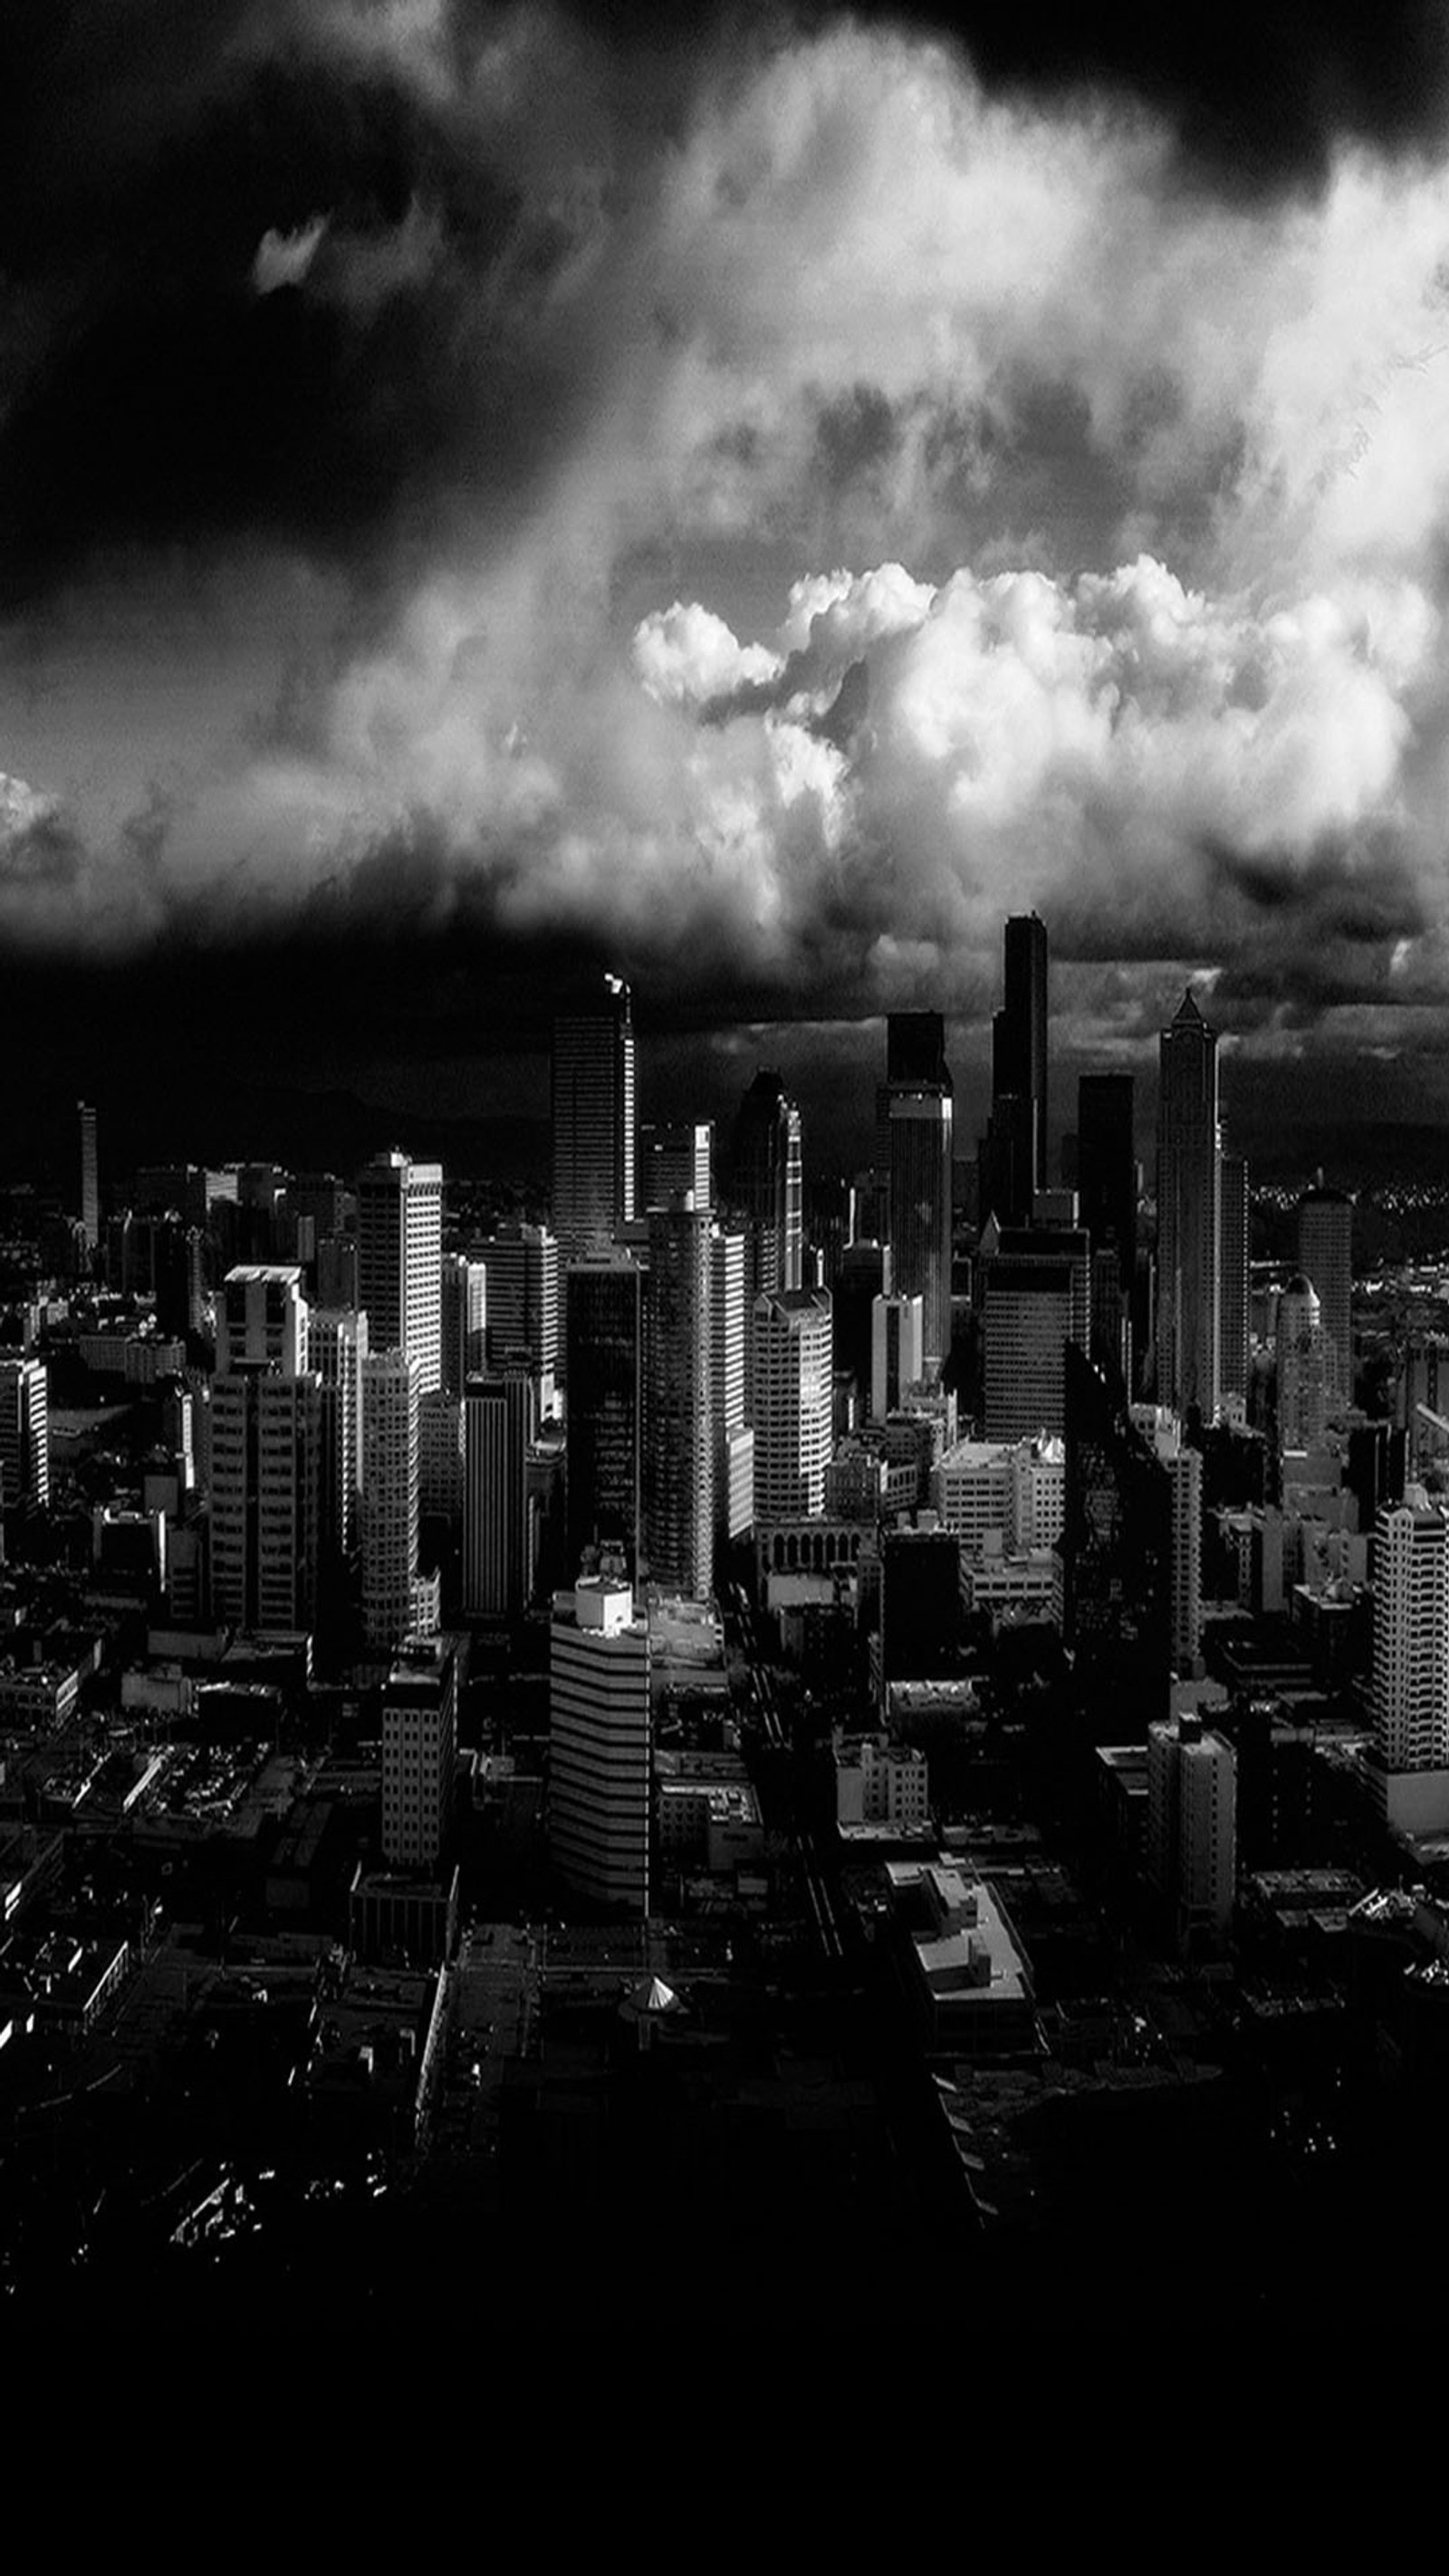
785	502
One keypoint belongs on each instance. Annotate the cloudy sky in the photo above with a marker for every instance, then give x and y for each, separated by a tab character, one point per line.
749	495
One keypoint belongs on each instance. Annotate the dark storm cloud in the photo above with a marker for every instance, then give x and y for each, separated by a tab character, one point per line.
1087	468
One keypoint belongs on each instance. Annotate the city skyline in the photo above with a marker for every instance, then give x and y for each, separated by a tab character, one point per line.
765	628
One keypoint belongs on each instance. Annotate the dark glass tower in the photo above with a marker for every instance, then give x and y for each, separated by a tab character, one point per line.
593	1122
604	1343
1116	1550
916	1113
1189	1203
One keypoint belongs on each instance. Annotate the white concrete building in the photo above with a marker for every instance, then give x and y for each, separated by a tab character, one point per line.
599	1745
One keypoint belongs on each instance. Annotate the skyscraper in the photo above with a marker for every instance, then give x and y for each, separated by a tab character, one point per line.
791	1364
1409	1699
90	1195
1107	1182
522	1267
916	1112
1116	1550
678	1412
1325	1255
24	1433
599	1745
896	1352
500	1419
464	1320
1302	1367
400	1261
419	1753
266	1454
1235	1276
734	1442
1014	1158
390	1396
1188	1215
593	1122
604	1348
674	1160
766	1184
1191	1827
336	1348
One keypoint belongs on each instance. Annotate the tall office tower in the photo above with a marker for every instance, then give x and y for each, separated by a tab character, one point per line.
390	1395
1025	1328
593	1122
336	1349
791	1367
24	1433
1234	1305
400	1260
1302	1367
604	1355
337	1272
262	1319
1325	1255
500	1420
464	1321
90	1192
866	1272
674	1161
1116	1550
897	1352
1376	1469
1107	1182
916	1114
767	1185
419	1753
180	1275
1163	1433
1189	1193
734	1442
599	1784
1013	1157
266	1454
1191	1826
678	1413
1409	1696
522	1266
441	1454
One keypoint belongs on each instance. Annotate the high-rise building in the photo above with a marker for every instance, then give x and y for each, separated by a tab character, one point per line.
336	1349
1013	1162
1302	1367
1409	1697
1234	1303
593	1122
500	1421
604	1352
419	1753
24	1434
390	1398
897	1352
678	1412
1188	1215
1191	1827
1116	1550
916	1111
734	1442
266	1454
599	1745
522	1266
1035	1298
1107	1194
464	1320
791	1364
767	1185
675	1162
1325	1255
1163	1433
90	1194
400	1260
